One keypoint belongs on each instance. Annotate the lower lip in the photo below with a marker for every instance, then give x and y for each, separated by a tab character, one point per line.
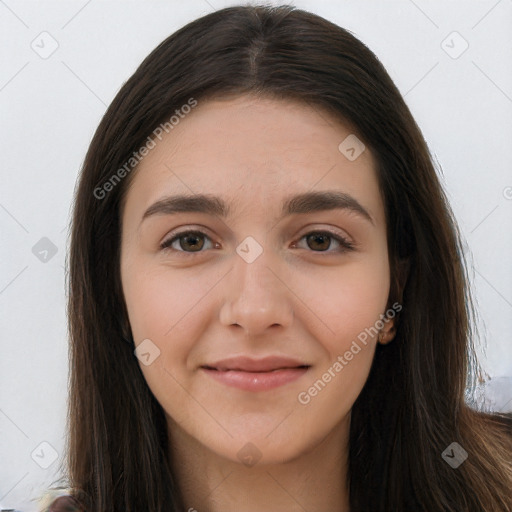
256	381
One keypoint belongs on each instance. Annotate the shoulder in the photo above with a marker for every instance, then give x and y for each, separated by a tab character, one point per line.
59	501
502	421
496	426
65	504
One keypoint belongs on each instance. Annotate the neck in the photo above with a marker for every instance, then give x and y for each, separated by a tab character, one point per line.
315	480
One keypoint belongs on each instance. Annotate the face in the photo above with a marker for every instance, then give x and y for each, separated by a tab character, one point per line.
257	324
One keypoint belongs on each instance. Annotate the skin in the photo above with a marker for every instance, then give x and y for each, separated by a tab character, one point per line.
294	300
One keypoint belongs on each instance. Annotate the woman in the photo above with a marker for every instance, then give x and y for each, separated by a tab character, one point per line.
269	308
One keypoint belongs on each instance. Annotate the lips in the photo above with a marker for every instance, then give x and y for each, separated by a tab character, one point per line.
247	364
256	374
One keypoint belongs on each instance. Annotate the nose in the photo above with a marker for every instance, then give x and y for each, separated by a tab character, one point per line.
257	296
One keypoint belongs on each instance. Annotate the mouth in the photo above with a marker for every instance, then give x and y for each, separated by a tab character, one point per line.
256	375
253	371
249	364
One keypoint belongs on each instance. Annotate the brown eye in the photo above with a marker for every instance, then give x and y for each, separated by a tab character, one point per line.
322	241
192	241
187	241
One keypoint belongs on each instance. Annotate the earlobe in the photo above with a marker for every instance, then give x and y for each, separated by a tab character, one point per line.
388	332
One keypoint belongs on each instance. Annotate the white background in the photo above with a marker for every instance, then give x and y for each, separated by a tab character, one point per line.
51	107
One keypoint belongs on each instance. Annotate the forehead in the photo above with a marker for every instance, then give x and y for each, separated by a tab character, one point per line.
254	151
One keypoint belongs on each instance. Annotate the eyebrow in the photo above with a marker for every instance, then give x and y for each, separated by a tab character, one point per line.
308	202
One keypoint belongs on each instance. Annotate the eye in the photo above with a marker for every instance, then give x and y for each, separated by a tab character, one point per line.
193	241
321	241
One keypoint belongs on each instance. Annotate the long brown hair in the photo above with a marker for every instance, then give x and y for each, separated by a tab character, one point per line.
413	406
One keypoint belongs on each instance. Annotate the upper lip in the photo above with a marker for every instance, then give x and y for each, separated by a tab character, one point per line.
248	364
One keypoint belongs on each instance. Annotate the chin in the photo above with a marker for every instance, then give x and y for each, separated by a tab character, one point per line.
263	447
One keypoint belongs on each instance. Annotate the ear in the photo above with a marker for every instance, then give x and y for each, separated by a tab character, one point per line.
387	333
126	332
401	274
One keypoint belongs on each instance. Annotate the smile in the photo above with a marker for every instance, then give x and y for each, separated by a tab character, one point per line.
256	381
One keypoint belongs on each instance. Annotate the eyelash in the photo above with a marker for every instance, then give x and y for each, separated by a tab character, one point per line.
346	245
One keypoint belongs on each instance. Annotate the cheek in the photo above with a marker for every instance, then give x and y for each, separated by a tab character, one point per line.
350	306
168	307
345	301
156	303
